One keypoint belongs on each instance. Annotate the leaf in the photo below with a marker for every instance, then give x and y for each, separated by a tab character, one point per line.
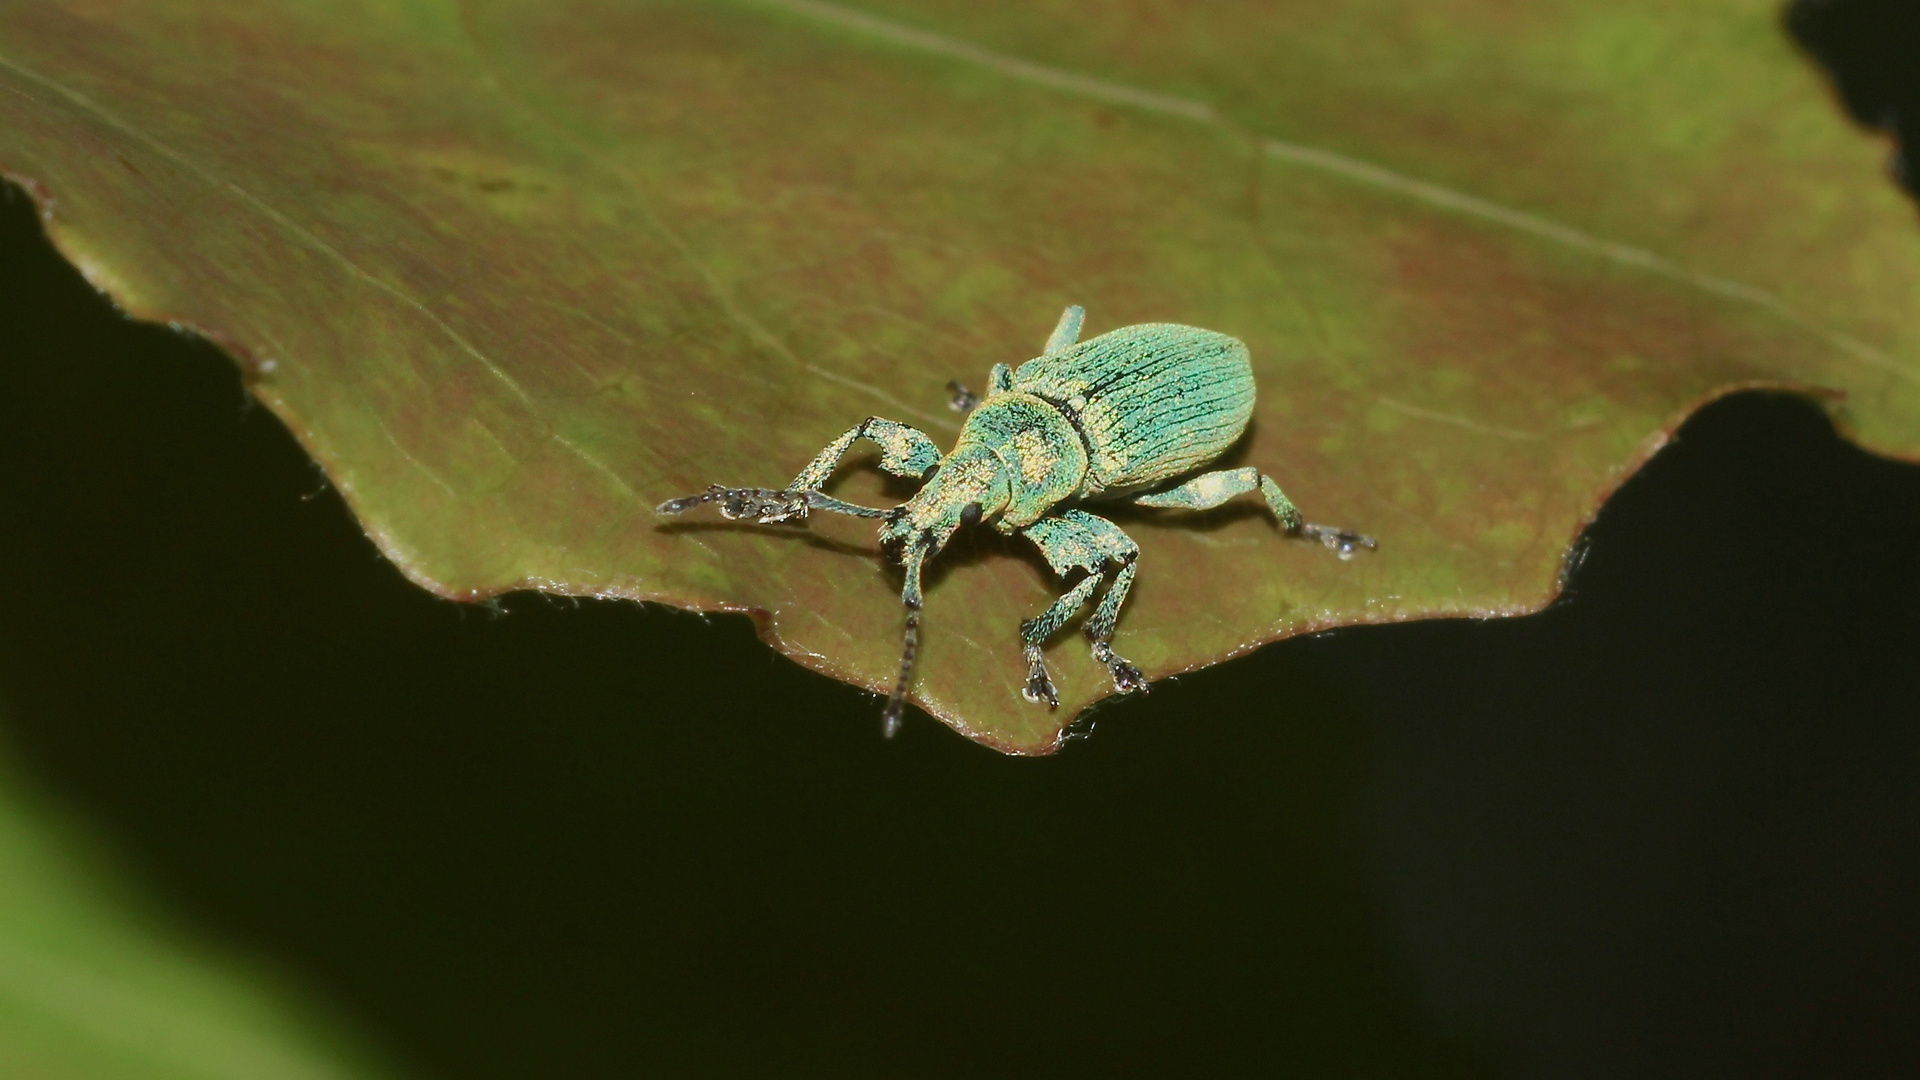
90	988
517	272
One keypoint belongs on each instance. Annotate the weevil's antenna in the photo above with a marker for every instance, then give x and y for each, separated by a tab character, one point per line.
890	719
909	596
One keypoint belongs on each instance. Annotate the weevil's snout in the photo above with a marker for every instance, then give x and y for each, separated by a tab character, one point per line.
966	491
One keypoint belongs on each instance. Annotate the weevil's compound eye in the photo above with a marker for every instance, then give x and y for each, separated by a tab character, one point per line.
970	514
931	470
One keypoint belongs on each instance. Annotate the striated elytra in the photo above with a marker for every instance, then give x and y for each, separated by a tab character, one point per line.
1118	417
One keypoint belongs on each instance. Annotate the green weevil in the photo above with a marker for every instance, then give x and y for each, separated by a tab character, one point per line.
1117	417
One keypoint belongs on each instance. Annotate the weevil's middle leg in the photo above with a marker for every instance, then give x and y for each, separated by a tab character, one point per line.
1077	540
1126	677
1208	490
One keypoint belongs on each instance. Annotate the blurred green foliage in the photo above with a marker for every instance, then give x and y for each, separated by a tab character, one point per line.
96	984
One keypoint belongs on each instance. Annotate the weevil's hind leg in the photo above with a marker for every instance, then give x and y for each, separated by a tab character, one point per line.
904	451
1077	540
1067	331
1208	490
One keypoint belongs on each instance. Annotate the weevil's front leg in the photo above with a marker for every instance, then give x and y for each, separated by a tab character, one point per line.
760	504
1208	490
903	452
1077	540
1067	330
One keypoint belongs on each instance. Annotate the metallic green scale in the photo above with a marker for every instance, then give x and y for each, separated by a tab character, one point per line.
1106	419
1153	401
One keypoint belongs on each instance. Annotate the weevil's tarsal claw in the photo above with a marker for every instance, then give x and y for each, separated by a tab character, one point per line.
963	399
1126	677
686	503
1339	541
1039	688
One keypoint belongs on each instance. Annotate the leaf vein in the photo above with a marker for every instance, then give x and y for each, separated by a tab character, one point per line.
1341	165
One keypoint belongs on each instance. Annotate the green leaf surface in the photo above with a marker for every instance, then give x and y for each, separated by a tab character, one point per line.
93	987
517	272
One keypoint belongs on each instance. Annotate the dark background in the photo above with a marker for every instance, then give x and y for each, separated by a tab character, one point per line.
1670	827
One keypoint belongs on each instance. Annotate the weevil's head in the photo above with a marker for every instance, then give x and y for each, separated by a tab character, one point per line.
969	486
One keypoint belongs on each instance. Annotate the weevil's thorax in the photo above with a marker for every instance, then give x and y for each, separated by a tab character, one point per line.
1042	456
